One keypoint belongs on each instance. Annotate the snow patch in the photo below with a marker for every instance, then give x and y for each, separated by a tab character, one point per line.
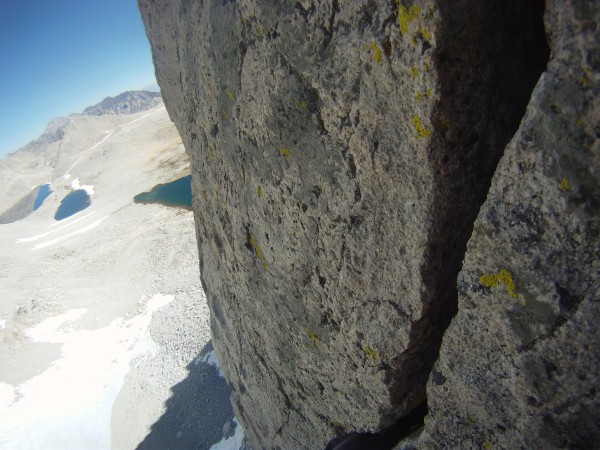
89	188
7	394
47	331
231	443
74	233
69	406
158	301
39	236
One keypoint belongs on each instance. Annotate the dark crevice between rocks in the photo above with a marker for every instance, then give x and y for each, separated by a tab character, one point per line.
328	32
488	62
306	13
386	439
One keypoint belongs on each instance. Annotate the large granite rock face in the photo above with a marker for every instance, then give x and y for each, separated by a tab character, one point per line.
340	153
519	365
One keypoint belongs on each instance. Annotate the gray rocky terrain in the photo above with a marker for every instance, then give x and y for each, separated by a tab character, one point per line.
396	206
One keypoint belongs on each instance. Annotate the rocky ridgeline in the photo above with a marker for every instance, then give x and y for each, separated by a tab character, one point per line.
50	153
396	205
129	102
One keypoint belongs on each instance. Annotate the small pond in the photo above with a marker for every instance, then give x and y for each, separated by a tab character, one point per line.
73	203
175	193
43	192
27	204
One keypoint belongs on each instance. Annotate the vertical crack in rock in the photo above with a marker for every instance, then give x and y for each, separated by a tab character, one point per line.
514	366
488	62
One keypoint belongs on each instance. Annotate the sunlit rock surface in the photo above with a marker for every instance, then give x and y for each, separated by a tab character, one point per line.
340	152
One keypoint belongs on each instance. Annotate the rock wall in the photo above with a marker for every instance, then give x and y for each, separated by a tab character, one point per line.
518	365
340	153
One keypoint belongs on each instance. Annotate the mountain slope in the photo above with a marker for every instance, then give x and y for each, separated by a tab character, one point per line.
129	102
91	305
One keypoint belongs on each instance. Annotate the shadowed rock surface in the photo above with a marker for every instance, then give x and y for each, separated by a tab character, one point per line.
340	153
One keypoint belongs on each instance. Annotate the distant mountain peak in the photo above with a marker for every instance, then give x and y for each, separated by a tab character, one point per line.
129	102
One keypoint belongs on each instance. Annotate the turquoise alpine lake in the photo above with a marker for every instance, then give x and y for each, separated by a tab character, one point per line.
176	193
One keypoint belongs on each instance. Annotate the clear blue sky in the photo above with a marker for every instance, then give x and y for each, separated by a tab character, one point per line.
60	56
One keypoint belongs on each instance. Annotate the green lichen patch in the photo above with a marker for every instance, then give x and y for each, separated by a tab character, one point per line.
285	152
259	191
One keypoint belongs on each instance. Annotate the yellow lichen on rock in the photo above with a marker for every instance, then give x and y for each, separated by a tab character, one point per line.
422	95
586	79
406	16
503	277
313	337
564	185
377	52
371	353
258	251
426	34
421	131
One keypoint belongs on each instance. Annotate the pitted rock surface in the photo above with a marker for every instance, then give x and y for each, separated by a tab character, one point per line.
340	153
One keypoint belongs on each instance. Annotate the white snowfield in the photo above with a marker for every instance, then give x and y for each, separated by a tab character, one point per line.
100	313
77	392
77	231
